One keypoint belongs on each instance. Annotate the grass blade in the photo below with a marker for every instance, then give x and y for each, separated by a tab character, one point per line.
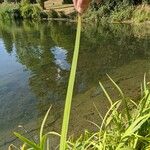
125	100
108	113
28	142
120	91
43	123
132	129
12	147
105	92
70	88
98	112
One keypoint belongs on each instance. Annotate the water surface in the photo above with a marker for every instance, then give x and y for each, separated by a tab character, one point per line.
35	60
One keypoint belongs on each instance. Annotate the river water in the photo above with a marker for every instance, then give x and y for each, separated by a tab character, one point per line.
35	60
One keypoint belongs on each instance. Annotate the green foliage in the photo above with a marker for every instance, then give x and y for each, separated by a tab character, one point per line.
141	14
117	130
104	11
117	10
16	11
42	137
122	13
27	10
7	10
135	14
41	2
30	11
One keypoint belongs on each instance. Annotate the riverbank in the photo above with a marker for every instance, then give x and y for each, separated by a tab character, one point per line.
119	14
122	14
27	11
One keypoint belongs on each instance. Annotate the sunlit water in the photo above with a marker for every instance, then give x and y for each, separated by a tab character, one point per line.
35	60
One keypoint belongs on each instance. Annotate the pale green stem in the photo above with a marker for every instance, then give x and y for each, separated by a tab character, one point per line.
70	88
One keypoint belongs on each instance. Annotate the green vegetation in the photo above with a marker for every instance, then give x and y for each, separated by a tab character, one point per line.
110	11
24	10
27	10
30	11
128	129
118	11
141	14
8	10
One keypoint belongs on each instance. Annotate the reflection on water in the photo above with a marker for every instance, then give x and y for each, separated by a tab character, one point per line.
60	57
35	61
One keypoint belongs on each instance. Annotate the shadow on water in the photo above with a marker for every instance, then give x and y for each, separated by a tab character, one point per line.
35	61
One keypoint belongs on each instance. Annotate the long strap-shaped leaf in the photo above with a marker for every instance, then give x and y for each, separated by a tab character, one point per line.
70	88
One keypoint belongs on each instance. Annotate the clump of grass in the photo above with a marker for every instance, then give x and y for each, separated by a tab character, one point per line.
7	10
128	129
141	13
30	11
122	13
24	10
132	13
101	14
43	138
